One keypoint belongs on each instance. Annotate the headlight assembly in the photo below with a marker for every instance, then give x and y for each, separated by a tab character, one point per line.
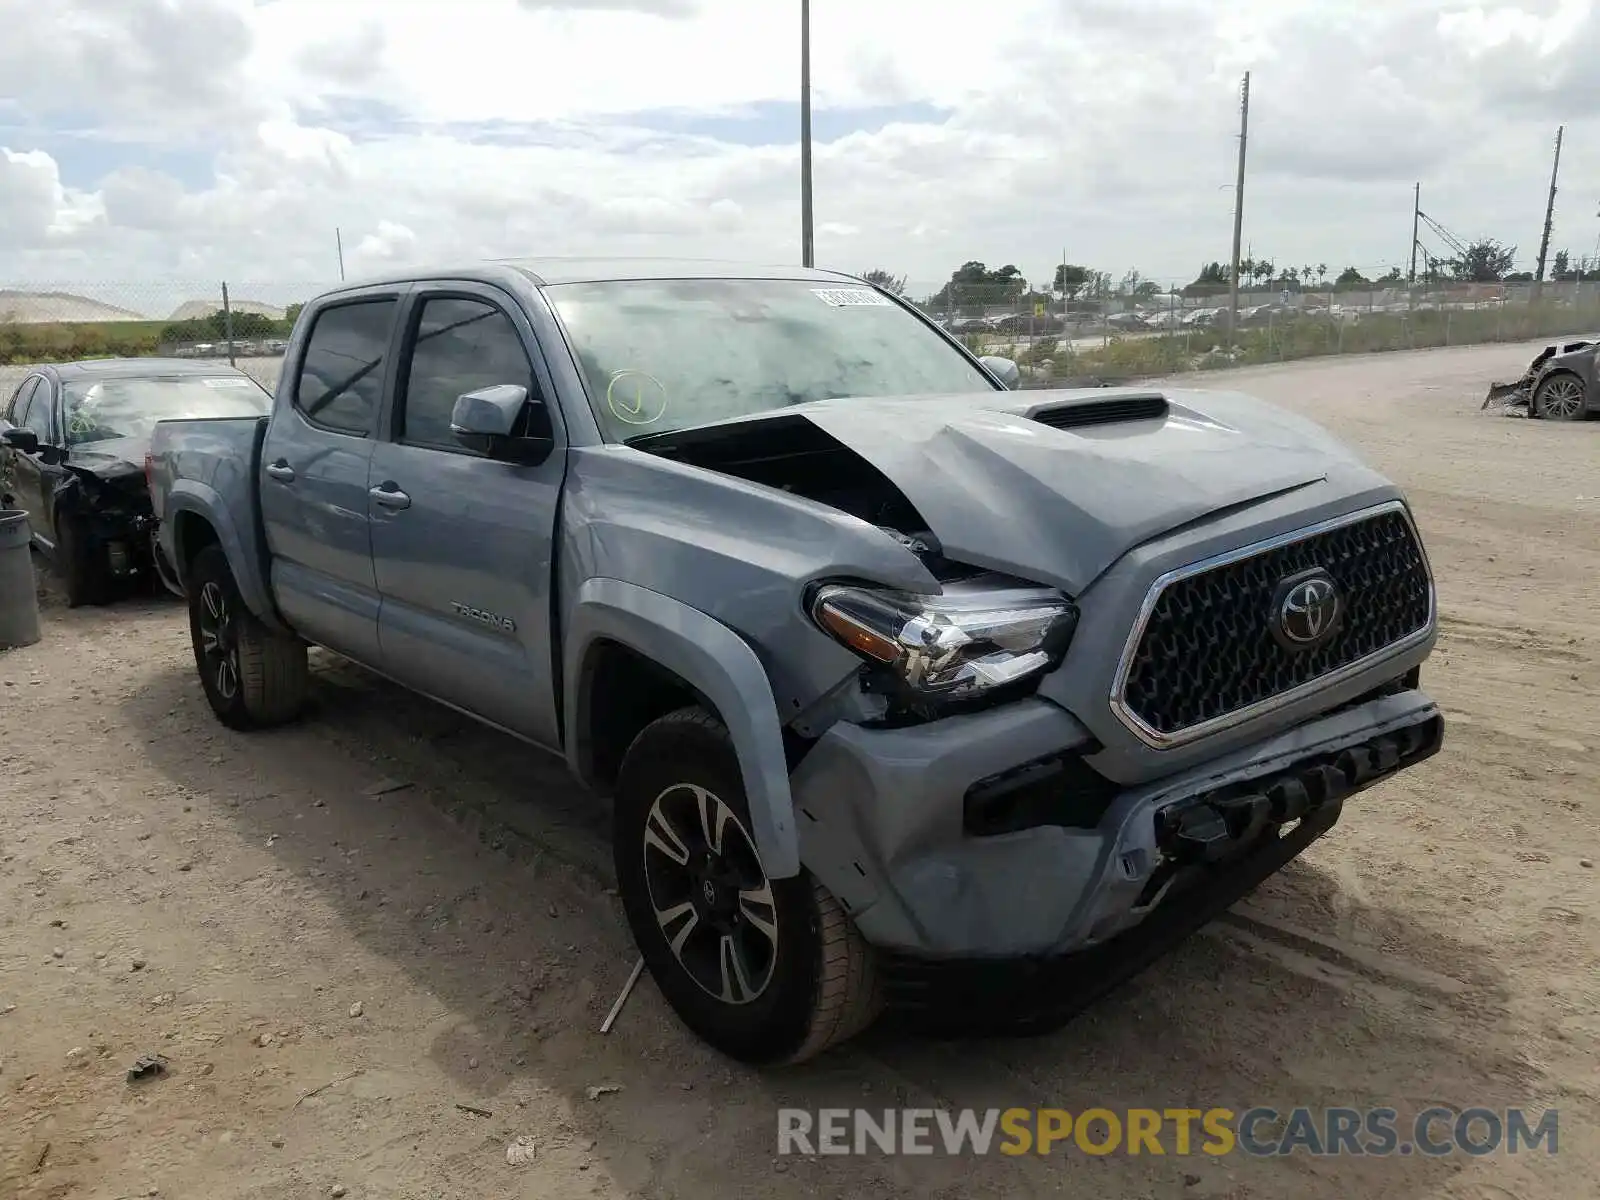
968	641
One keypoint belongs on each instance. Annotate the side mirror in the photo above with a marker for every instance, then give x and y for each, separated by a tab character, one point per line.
25	441
1003	369
502	423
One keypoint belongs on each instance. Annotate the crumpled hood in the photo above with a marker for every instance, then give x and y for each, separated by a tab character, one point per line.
112	459
1004	491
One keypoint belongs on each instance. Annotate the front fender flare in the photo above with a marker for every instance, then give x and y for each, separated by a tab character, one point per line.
716	662
205	502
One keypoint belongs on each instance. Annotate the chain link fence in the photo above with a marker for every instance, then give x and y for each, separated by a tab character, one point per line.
1150	328
1172	328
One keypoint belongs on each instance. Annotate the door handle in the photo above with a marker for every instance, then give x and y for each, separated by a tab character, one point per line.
389	496
281	471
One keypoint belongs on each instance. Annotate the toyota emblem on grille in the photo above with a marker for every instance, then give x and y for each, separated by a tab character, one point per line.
1306	610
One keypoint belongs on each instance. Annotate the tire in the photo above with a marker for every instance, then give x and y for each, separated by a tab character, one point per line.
253	676
1560	397
83	568
810	987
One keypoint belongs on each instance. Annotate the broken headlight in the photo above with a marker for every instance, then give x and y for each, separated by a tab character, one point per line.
973	639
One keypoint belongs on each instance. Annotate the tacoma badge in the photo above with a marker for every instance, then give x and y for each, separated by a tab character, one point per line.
493	620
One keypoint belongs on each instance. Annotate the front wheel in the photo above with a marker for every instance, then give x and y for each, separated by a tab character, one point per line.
765	970
253	676
1559	398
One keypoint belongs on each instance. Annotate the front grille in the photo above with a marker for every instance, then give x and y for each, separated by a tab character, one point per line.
1207	650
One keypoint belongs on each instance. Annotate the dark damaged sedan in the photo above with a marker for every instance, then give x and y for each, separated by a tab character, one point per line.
73	439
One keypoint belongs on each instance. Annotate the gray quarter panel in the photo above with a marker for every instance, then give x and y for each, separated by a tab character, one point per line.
204	468
739	551
717	663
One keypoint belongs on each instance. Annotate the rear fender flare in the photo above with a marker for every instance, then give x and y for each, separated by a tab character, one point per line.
203	501
717	663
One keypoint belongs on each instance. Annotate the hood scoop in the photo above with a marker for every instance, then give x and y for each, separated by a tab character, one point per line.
1145	406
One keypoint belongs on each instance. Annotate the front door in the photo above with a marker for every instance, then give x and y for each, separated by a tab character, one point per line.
462	545
313	481
32	476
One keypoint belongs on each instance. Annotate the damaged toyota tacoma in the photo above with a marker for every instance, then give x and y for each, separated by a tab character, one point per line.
908	689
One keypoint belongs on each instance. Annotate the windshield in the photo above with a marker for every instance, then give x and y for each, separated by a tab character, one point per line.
129	408
664	354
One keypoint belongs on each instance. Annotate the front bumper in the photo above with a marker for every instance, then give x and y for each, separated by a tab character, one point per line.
125	541
889	821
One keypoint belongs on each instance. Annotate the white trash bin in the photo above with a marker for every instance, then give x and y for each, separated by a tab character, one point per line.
19	598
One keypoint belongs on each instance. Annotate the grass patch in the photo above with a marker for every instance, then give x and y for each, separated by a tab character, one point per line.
64	341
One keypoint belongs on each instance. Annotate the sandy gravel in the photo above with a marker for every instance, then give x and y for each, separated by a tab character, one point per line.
226	901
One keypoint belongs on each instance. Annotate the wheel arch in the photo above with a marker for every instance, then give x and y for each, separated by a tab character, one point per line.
687	657
198	517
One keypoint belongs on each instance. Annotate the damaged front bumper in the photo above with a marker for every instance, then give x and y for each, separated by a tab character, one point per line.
957	868
126	540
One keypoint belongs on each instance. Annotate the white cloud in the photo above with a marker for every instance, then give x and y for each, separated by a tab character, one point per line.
487	128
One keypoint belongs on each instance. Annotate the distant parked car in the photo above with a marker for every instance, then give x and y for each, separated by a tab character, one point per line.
1126	320
73	440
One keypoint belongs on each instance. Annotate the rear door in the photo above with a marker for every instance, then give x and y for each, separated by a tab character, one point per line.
461	544
314	466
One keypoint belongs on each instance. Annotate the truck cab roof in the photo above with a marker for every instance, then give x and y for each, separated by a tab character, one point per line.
549	271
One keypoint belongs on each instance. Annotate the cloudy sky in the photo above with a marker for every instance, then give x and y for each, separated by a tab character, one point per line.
204	139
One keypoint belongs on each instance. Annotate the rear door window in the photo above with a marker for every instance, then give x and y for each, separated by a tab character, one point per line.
341	376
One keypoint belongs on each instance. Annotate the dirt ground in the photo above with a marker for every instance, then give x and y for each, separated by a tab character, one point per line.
341	933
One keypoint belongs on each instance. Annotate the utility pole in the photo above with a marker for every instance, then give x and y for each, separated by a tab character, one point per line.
807	258
1238	210
1416	215
338	241
1549	217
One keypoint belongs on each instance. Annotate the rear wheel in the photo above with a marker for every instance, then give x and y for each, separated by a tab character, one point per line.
1559	398
84	569
253	676
765	970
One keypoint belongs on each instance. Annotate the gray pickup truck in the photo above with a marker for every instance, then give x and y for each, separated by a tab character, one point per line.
909	689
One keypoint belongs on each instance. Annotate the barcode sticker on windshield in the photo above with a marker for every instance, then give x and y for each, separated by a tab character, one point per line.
851	297
226	382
